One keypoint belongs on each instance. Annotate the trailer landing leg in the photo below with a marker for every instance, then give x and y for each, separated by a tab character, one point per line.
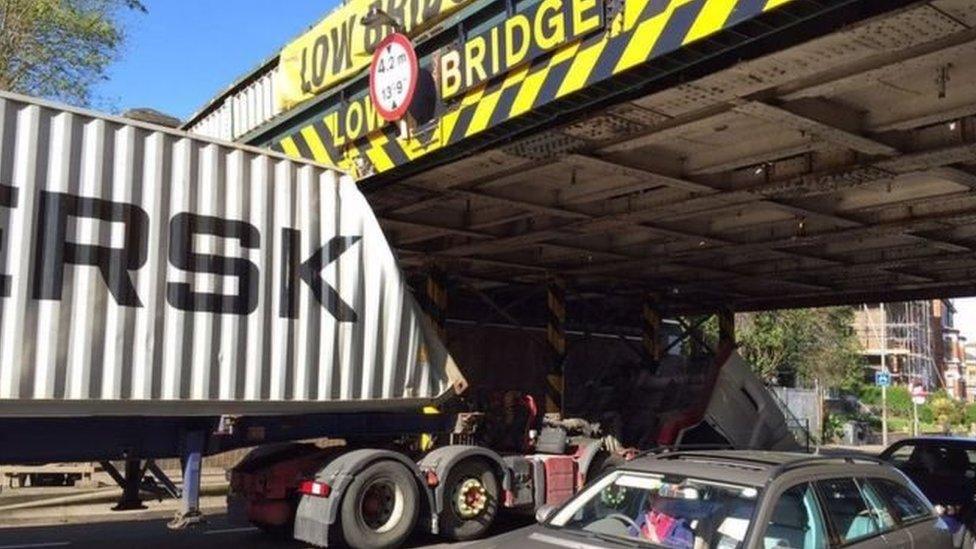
189	513
130	483
140	478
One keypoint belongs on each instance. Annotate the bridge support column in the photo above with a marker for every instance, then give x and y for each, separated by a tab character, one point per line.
726	328
556	337
437	300
651	330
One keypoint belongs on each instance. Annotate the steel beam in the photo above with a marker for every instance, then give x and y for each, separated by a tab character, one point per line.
726	327
651	324
815	128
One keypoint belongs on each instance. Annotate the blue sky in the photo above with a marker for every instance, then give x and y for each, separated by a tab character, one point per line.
183	52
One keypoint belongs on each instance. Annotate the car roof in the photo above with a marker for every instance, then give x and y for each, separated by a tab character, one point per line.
937	438
750	467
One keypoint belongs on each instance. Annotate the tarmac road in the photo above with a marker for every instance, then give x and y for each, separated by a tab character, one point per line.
152	534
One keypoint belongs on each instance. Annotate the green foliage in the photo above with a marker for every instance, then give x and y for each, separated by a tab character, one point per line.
900	401
925	414
939	413
59	48
945	411
870	395
833	427
798	346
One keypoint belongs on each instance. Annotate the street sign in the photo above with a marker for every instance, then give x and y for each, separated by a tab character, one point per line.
882	379
918	394
393	77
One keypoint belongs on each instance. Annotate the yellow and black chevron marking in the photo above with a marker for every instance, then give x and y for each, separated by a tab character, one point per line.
437	299
556	336
643	31
651	329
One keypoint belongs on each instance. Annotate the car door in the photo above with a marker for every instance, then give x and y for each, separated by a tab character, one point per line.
913	514
796	521
892	531
854	521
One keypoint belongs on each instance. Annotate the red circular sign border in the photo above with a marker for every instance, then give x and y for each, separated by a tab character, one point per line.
401	111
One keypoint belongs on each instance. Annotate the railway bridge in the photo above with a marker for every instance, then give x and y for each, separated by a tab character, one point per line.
648	158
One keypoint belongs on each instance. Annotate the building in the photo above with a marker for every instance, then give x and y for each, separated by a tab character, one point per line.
969	362
917	341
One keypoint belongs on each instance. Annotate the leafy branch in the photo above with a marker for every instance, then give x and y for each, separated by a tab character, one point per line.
59	48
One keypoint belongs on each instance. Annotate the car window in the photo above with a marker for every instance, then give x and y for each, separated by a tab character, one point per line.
938	459
797	521
848	511
906	504
677	512
878	505
902	454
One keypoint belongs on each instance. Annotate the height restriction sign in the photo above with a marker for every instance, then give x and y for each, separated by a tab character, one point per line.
393	77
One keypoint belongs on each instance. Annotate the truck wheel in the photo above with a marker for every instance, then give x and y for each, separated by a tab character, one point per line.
380	506
471	500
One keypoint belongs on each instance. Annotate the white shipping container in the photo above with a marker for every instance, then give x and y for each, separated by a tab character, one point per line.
145	271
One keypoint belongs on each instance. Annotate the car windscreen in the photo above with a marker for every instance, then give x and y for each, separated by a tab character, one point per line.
667	511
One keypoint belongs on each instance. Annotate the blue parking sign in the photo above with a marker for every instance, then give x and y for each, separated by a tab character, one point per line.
882	379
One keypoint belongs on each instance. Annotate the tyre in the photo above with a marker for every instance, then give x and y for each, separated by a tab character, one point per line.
470	500
380	507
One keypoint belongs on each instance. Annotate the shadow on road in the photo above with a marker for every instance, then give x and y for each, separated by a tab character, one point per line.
153	534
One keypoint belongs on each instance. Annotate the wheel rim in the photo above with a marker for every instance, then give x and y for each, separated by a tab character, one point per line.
471	498
381	505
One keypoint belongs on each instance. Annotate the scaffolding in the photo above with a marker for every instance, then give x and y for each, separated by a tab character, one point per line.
900	335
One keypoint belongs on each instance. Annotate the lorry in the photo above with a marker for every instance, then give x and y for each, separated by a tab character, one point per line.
164	295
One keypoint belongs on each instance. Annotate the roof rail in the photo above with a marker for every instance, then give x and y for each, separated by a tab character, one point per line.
849	457
717	457
670	449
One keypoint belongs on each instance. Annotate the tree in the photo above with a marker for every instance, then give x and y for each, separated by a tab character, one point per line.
798	346
946	411
59	48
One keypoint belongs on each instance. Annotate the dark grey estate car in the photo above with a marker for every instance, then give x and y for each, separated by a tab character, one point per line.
732	499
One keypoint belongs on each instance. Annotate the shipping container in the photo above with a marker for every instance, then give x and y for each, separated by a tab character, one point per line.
147	271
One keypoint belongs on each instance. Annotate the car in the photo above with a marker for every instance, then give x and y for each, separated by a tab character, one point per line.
944	469
741	499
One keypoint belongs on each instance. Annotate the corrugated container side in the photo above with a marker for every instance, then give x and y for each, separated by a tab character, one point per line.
147	271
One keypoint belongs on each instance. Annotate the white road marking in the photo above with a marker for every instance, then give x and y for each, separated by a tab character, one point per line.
226	531
36	545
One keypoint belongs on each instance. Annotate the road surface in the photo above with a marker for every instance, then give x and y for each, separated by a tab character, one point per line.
152	534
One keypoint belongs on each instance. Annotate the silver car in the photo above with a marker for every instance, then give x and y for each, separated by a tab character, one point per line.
748	499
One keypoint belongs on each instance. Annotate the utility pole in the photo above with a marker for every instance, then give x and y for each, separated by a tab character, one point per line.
884	370
914	418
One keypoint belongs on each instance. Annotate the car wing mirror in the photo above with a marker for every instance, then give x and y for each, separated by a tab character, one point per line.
543	513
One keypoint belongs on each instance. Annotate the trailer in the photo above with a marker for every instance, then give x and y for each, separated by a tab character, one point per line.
170	296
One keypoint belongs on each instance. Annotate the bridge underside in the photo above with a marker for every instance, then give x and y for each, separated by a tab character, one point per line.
841	170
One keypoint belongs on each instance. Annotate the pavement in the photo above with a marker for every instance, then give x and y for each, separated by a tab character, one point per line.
217	533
